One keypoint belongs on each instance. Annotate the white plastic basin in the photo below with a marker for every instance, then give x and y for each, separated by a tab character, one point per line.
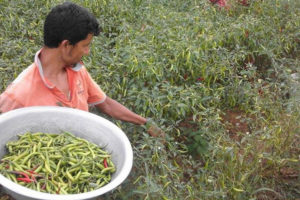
56	120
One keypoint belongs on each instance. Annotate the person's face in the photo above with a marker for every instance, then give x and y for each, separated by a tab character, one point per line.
72	54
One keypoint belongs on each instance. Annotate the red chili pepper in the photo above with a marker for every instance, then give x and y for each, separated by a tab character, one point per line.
26	180
43	186
105	163
20	173
246	34
31	172
25	177
33	175
222	3
185	76
200	79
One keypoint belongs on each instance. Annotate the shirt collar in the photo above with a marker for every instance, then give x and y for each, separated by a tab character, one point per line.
38	63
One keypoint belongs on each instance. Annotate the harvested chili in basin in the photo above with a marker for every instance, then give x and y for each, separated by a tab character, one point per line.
57	163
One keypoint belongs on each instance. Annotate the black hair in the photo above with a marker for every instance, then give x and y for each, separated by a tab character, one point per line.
71	22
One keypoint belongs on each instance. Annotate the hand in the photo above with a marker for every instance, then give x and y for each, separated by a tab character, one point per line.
153	129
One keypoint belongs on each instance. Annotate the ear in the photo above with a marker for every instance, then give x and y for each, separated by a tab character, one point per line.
65	44
65	47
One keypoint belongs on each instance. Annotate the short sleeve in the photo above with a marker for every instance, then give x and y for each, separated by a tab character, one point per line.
95	93
7	103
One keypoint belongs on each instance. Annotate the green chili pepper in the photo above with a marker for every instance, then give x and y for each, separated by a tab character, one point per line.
57	163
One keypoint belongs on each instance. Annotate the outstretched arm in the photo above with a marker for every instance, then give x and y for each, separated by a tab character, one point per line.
120	112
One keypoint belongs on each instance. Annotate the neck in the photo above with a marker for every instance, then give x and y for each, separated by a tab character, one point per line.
51	62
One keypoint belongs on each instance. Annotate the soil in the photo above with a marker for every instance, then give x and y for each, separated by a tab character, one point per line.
236	124
4	196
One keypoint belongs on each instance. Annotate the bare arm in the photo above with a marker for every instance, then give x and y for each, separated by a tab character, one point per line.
120	112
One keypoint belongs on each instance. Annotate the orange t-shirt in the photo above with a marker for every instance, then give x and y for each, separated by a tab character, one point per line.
31	88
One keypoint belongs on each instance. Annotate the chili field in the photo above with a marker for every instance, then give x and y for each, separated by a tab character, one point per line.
223	83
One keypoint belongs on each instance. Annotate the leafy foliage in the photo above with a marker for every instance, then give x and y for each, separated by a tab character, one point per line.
185	64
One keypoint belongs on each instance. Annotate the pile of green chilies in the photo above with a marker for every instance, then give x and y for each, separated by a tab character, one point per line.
56	163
